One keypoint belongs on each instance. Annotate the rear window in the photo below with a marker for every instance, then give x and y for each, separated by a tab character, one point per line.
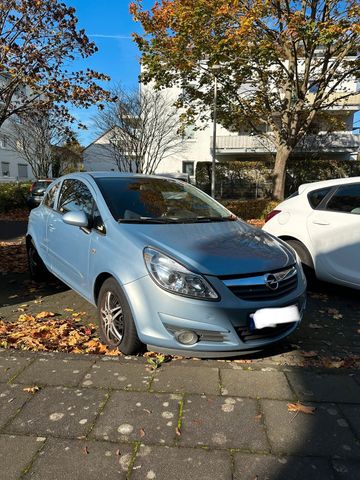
317	196
346	199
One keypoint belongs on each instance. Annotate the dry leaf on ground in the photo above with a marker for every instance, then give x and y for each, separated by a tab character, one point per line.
32	389
299	407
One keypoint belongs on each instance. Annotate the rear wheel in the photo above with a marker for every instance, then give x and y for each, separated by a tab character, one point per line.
116	324
305	257
37	268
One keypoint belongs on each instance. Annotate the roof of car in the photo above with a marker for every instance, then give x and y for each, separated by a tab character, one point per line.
327	183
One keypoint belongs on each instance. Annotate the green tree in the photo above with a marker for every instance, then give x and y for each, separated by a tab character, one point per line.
39	39
281	62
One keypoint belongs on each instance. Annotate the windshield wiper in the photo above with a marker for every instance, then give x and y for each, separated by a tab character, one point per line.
209	219
146	220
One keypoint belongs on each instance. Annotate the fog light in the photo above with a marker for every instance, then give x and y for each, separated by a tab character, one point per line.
186	337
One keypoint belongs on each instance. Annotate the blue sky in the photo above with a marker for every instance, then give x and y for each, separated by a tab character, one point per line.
109	24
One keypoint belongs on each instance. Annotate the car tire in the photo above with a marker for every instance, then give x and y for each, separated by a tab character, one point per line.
37	268
116	324
305	257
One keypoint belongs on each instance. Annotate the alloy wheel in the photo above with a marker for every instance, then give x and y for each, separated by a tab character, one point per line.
112	318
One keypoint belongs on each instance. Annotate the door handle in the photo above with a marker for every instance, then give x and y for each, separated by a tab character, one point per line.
320	222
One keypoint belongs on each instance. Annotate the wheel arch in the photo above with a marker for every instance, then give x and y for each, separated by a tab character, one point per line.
100	279
289	237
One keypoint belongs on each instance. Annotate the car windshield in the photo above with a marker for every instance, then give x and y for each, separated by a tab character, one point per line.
158	200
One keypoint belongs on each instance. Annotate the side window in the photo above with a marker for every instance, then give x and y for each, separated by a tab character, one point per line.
49	199
346	199
317	196
75	196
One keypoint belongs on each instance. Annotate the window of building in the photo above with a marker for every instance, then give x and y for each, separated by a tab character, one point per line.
346	199
188	167
5	169
22	170
3	141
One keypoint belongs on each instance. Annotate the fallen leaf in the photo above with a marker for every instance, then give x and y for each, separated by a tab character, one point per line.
314	325
299	407
68	309
33	389
13	296
44	315
258	417
142	433
86	450
310	354
178	431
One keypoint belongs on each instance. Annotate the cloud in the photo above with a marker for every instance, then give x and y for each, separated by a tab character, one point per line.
113	37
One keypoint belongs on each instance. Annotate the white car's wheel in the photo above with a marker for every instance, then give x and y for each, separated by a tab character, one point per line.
305	257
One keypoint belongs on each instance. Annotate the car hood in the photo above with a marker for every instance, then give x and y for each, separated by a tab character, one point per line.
216	248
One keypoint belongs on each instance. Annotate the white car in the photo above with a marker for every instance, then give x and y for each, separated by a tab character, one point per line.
321	221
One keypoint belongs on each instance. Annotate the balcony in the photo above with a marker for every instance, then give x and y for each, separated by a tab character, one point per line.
325	142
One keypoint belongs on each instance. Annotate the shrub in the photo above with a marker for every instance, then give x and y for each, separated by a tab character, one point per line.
13	195
250	209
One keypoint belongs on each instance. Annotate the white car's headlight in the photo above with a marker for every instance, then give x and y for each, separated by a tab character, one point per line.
174	277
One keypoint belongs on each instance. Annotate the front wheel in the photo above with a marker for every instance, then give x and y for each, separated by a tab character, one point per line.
116	324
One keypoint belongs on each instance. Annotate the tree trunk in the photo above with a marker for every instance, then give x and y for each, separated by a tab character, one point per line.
279	172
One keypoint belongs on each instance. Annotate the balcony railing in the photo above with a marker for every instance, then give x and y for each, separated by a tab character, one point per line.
330	142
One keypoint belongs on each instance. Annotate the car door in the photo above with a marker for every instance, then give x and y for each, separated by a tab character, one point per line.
47	207
334	229
69	246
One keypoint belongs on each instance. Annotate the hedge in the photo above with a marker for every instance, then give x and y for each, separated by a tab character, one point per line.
250	209
13	195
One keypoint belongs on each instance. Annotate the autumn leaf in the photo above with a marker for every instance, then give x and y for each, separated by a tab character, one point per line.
178	431
142	433
44	315
32	389
310	354
68	309
299	407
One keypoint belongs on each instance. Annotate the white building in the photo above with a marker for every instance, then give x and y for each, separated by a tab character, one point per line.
244	145
12	166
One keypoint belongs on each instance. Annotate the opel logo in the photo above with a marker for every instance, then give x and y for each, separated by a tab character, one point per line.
271	281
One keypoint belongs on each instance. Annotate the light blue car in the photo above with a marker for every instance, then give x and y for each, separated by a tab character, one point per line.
166	265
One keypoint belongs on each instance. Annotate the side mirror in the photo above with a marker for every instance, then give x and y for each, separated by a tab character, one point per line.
77	219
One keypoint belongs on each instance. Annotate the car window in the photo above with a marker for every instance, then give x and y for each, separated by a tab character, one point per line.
346	199
75	196
317	196
49	199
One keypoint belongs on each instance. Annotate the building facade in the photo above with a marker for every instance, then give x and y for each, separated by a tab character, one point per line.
322	142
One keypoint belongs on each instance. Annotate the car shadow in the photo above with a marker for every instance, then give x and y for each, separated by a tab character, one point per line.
17	288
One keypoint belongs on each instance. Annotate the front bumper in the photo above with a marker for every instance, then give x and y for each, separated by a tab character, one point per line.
157	313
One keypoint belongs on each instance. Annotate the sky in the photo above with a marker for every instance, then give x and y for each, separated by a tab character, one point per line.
109	24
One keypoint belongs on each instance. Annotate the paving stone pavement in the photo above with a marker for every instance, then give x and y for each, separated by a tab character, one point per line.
96	418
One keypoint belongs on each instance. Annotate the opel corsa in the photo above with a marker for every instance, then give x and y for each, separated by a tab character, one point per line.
166	265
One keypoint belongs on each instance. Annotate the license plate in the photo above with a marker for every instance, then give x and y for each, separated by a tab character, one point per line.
271	317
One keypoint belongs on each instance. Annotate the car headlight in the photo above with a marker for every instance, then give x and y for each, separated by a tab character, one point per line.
174	277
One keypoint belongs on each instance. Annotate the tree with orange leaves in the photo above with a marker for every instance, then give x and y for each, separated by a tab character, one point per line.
39	39
279	62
